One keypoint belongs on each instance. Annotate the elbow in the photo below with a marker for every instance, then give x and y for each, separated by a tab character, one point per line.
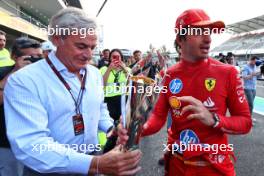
248	125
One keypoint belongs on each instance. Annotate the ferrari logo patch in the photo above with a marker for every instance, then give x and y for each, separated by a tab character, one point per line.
210	84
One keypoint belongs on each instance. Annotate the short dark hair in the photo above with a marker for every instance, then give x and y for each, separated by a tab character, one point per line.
23	43
106	50
136	51
254	58
176	45
2	33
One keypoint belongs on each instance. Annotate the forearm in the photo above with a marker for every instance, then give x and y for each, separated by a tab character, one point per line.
106	75
235	124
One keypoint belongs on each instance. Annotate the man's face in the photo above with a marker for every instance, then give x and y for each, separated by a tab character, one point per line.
2	41
106	54
252	62
137	56
195	47
74	51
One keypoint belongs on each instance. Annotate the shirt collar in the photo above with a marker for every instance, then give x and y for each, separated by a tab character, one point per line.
56	62
60	66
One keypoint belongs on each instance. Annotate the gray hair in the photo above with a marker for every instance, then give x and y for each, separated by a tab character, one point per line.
71	18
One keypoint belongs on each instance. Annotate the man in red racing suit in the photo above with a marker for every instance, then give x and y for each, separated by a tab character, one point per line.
199	92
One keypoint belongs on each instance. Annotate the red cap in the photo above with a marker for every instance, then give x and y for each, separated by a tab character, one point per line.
197	18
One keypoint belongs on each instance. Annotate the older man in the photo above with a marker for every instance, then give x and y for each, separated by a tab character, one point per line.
54	114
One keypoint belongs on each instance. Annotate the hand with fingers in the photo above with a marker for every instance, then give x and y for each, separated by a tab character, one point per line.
116	162
122	135
197	109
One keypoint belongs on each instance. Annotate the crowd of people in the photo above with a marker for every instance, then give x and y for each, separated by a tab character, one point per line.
54	103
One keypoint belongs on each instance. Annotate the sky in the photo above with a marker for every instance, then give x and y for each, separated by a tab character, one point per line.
135	24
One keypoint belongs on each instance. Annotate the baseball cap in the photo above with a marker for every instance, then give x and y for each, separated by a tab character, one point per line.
47	46
197	18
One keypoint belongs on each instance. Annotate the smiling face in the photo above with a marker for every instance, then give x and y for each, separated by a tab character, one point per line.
195	47
75	51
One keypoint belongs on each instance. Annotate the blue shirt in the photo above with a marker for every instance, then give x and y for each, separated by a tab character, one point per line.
39	110
249	83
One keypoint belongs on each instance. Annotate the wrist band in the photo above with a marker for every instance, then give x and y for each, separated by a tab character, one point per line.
217	120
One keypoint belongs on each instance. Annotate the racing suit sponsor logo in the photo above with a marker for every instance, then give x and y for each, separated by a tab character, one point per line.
187	137
209	103
175	86
210	84
175	105
174	102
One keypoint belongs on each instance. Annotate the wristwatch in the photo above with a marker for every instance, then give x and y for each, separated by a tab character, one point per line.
1	89
217	120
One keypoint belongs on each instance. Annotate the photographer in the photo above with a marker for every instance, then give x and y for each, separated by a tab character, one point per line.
24	52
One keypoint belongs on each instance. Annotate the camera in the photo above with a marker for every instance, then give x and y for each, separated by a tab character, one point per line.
33	59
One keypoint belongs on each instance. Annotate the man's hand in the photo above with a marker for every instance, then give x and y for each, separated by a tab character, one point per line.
198	110
116	162
122	134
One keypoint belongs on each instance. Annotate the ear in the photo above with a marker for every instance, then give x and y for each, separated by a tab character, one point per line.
178	40
56	40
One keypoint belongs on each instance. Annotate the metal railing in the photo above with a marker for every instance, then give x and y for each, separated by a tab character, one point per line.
25	16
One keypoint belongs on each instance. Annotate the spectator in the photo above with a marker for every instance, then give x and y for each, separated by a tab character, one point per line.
104	61
231	60
115	79
198	107
47	47
137	56
249	74
22	48
6	63
57	104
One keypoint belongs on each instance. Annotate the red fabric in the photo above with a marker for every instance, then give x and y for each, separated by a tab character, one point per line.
196	17
227	93
178	168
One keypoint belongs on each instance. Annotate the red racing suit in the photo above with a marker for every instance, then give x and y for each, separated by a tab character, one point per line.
218	86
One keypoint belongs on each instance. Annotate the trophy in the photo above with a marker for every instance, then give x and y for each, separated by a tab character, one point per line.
141	99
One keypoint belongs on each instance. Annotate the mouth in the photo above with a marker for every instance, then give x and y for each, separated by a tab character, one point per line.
84	59
205	49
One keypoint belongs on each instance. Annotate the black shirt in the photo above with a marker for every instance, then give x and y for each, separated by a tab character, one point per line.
3	138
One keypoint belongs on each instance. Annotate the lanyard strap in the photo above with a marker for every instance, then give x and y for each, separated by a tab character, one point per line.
116	75
77	102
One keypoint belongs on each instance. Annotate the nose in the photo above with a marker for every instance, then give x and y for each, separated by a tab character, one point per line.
88	53
207	39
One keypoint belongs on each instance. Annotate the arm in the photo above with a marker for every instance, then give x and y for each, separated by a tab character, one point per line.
240	120
247	75
158	117
29	135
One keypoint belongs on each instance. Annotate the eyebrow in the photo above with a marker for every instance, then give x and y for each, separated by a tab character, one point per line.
84	45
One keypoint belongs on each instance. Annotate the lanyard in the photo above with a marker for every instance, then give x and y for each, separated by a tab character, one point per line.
116	75
80	94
